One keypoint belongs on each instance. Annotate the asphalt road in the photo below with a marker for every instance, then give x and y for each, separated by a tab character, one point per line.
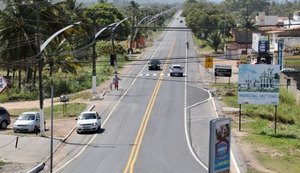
149	128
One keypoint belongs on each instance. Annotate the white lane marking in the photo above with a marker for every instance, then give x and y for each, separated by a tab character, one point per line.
237	169
196	104
185	114
109	115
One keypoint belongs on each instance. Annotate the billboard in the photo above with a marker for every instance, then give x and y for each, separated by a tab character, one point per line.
263	46
219	145
258	84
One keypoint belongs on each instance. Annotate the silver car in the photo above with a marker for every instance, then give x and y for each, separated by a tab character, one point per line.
88	121
27	122
176	70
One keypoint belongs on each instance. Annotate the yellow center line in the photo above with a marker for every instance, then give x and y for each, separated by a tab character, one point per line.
139	138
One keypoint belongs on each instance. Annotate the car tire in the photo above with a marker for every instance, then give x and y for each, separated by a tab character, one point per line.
3	125
78	132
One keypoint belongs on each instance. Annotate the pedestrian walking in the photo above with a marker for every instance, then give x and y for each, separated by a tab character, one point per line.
187	45
116	82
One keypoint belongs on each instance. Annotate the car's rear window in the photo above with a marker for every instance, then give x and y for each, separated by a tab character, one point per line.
154	61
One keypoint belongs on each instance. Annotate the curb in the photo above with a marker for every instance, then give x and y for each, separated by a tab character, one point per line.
38	168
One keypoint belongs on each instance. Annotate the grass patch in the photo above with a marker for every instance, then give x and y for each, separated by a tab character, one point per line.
281	151
276	152
202	45
72	110
2	163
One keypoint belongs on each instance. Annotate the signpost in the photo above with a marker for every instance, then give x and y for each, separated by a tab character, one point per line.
258	84
3	83
219	145
223	71
280	54
209	62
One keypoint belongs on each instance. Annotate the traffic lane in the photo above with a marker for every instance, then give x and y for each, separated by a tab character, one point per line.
110	150
164	147
137	96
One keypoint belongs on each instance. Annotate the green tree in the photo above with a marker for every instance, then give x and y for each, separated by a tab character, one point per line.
214	40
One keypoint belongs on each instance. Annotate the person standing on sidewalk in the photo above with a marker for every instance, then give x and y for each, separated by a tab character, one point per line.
116	82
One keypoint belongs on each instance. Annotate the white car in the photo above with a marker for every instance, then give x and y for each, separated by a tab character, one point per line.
27	122
88	121
176	70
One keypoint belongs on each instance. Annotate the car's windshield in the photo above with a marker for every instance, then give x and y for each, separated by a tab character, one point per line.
26	117
87	116
177	67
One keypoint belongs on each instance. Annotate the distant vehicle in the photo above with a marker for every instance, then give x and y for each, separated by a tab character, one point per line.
176	70
88	121
288	70
154	64
27	122
181	21
4	118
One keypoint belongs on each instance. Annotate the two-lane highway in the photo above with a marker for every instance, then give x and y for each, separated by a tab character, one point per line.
146	131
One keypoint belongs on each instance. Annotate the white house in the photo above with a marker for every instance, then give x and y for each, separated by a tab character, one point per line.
262	19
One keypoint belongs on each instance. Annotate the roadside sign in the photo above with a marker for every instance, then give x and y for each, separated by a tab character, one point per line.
219	145
280	54
258	84
209	62
223	70
3	83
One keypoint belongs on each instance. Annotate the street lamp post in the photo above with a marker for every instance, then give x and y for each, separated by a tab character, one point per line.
42	127
113	45
42	47
94	79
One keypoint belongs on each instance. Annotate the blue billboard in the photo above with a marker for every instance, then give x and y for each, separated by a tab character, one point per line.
263	46
219	150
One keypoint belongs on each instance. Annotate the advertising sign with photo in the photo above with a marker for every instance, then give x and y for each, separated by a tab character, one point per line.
219	152
258	84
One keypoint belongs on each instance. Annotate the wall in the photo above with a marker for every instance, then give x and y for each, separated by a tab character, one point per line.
292	88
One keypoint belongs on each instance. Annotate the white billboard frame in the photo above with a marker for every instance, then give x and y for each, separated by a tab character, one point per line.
258	84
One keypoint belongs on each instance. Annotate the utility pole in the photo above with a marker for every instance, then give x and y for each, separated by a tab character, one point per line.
113	55
131	36
94	90
40	68
247	23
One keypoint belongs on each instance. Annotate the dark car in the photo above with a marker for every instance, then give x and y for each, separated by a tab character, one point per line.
181	21
154	64
4	118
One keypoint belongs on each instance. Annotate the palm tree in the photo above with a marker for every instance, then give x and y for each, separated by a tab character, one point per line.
214	40
17	38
